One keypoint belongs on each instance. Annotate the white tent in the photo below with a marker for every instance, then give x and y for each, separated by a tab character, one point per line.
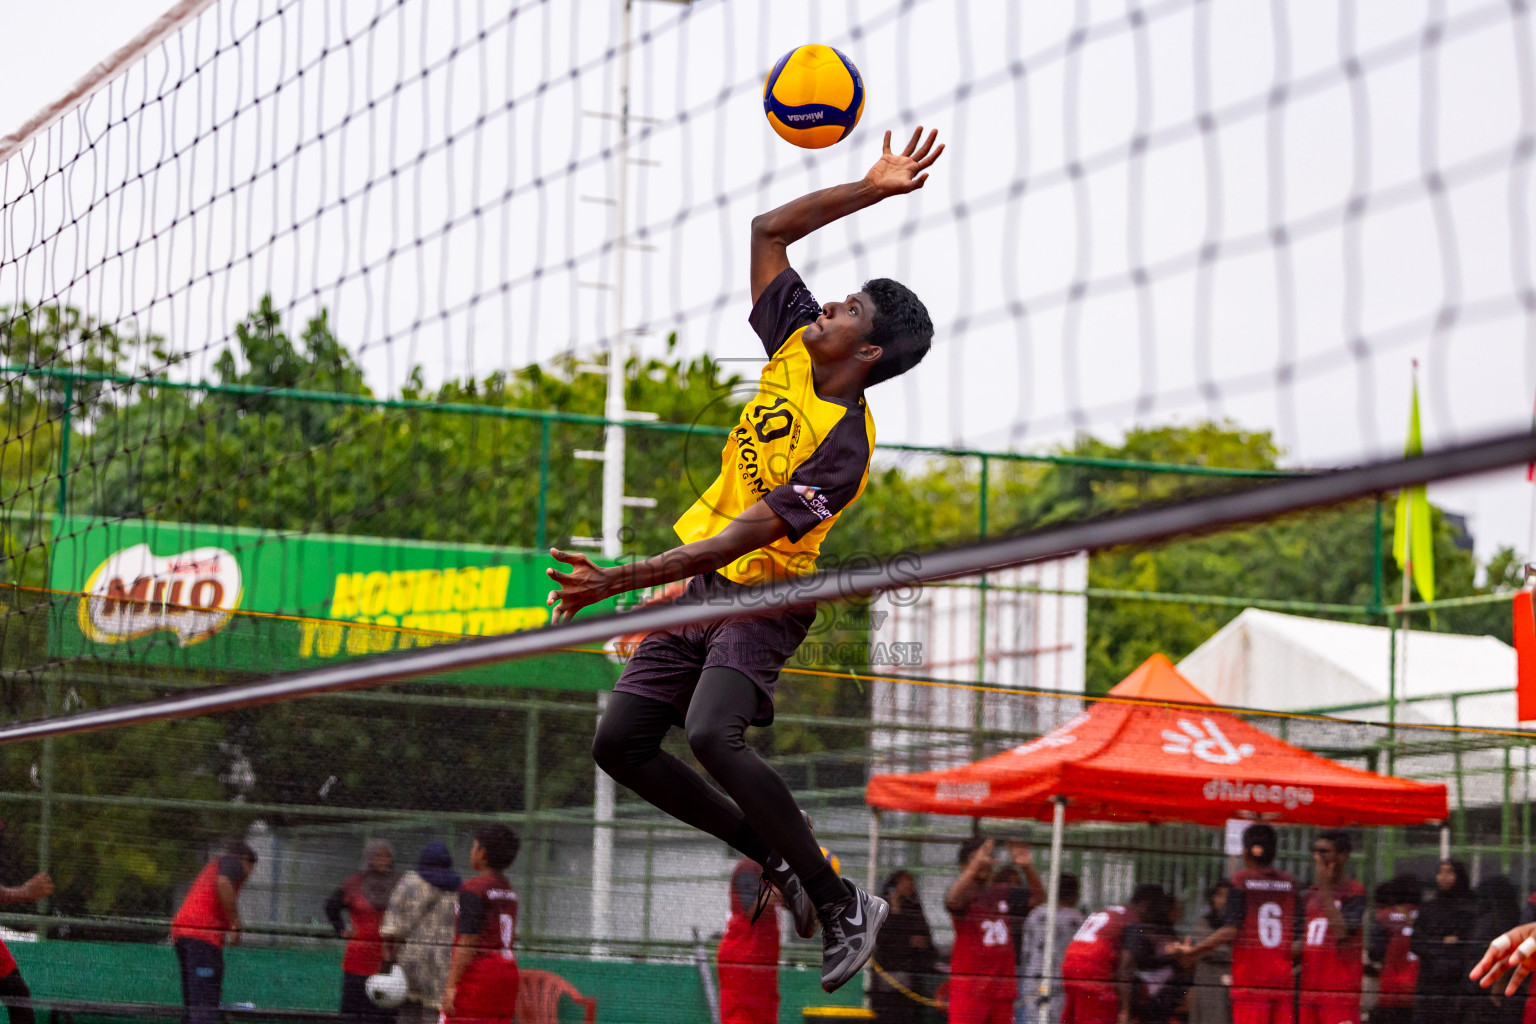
1277	662
1290	663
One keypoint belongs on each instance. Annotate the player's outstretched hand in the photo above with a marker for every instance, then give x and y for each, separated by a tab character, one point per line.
36	887
896	174
1511	951
585	584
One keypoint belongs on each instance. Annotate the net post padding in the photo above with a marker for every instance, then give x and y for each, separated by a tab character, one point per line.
1137	527
102	73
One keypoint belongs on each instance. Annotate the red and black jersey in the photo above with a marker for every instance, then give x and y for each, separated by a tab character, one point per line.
1332	964
1262	907
1093	955
487	916
202	915
983	949
1391	943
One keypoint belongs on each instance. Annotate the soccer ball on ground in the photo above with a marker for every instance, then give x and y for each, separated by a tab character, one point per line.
813	96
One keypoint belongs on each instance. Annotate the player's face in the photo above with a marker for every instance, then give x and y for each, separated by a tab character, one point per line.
840	332
1324	854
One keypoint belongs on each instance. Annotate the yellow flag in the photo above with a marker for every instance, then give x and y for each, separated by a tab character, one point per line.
1413	526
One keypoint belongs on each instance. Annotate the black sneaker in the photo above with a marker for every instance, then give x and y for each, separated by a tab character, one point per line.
848	935
777	874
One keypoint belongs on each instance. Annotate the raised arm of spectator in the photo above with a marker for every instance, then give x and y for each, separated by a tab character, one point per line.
1025	859
959	895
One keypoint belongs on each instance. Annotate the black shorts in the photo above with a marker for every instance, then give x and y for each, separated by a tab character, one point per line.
667	664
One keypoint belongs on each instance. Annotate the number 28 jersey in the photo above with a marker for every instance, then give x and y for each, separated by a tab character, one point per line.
1262	907
983	951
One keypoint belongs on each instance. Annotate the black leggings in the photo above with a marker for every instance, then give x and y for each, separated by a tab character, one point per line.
13	987
628	747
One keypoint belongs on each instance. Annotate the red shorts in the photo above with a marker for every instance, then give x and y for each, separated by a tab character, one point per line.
980	1001
1331	1011
749	993
1262	1008
1090	1004
487	993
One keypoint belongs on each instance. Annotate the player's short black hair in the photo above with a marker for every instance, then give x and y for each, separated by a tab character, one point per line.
901	327
1260	842
1156	899
239	848
968	849
500	844
1408	889
1068	890
1342	844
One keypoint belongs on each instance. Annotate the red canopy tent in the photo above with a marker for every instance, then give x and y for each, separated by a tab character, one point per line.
1160	756
1156	754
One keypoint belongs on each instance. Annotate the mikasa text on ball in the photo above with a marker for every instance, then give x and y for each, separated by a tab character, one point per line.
813	96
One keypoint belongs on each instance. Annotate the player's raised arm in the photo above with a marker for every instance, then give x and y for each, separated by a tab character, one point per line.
894	174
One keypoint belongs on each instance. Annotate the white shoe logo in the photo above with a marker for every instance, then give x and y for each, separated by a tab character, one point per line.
857	917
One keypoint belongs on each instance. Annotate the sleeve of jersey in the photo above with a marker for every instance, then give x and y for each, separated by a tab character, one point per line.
1236	908
1376	946
785	306
827	482
471	914
1354	913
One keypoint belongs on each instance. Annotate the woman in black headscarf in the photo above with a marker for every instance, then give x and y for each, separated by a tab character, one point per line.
904	951
1441	941
1498	910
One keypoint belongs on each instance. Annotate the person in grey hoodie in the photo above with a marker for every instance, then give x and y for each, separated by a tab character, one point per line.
1032	958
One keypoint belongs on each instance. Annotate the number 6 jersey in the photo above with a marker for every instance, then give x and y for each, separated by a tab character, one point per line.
1262	907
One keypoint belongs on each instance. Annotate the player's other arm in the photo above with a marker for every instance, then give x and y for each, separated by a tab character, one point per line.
893	175
587	584
230	900
30	891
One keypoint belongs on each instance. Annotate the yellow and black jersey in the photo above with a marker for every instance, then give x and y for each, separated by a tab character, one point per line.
806	456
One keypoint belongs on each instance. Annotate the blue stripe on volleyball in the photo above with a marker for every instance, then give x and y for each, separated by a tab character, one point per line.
808	115
858	92
773	76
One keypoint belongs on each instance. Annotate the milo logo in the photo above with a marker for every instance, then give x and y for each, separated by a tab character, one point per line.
134	593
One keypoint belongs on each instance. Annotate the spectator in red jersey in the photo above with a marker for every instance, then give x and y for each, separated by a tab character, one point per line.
748	958
1259	922
363	898
1098	971
1440	942
209	919
482	974
1389	954
983	975
1333	933
12	985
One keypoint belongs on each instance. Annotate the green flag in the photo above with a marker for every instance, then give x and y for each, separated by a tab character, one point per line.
1413	517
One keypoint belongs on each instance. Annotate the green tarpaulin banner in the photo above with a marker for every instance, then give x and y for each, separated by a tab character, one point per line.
257	601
